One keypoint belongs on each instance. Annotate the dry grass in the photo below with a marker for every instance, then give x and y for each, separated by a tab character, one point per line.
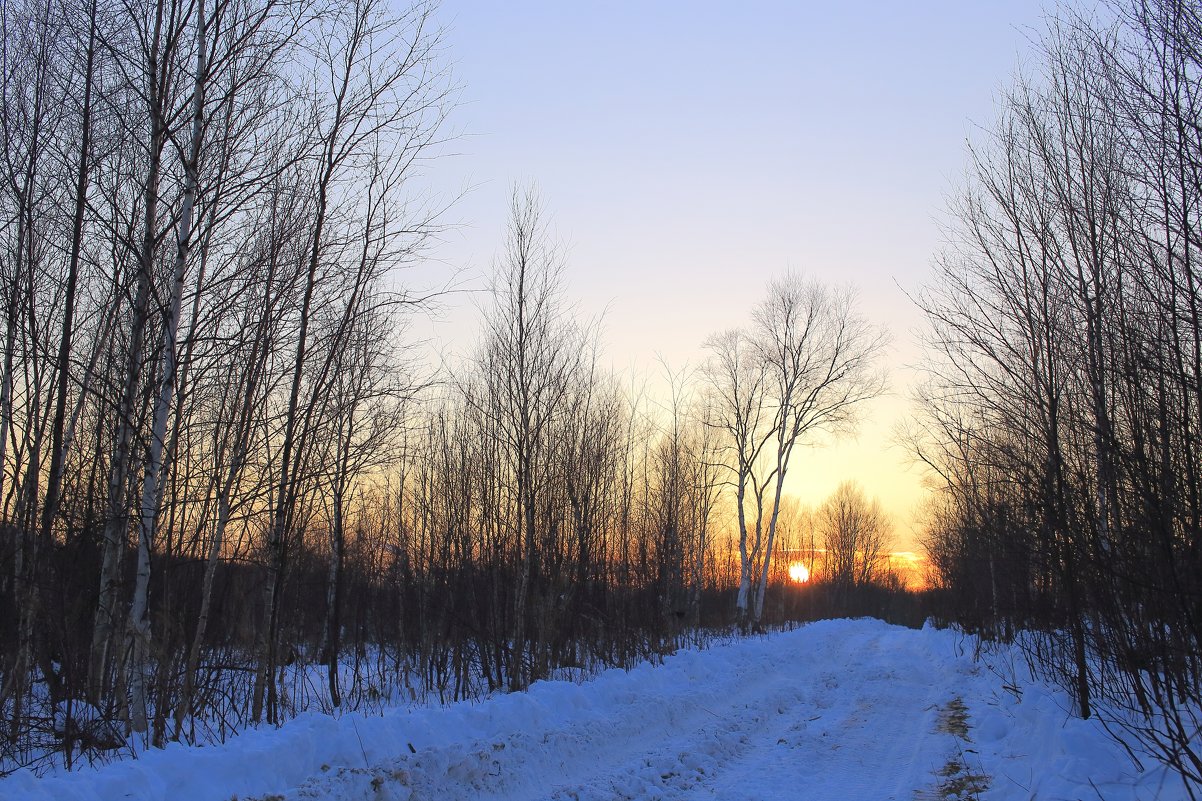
953	719
955	782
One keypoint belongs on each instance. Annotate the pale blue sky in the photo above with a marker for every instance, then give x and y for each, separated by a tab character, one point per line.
688	152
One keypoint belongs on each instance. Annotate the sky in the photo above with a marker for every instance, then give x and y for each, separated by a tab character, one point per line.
688	152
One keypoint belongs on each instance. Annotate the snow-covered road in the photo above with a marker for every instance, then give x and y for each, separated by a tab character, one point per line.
836	710
827	717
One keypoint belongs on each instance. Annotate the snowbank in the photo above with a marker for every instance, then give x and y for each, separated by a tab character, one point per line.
837	709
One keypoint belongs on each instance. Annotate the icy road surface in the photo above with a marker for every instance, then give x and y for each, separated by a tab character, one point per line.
844	710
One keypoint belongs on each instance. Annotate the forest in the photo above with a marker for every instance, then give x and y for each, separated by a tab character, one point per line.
233	490
1063	397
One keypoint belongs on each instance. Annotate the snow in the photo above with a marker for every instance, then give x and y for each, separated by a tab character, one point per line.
834	710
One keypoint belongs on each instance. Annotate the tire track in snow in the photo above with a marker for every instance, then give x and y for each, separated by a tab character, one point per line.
869	743
836	721
838	710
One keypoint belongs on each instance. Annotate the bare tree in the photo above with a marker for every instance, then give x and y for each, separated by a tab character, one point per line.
805	367
531	352
856	537
1061	413
737	380
820	356
386	102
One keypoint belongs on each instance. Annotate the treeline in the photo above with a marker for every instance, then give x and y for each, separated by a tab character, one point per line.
1064	406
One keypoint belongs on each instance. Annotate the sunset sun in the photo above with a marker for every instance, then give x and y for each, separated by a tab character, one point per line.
799	573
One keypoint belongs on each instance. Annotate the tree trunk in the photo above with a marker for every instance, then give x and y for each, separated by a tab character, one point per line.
139	630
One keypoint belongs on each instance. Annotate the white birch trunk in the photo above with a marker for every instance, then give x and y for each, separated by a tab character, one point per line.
758	611
743	599
139	620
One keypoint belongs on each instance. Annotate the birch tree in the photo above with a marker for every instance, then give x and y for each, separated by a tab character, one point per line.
804	368
820	356
385	104
738	382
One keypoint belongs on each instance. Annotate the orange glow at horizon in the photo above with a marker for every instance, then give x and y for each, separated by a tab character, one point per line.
911	567
799	573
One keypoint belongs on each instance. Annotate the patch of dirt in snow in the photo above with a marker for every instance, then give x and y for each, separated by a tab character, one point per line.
953	719
955	780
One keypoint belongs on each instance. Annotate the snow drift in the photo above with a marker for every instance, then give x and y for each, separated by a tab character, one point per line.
837	709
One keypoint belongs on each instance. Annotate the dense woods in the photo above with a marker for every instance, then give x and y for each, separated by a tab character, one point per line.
1062	411
231	491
